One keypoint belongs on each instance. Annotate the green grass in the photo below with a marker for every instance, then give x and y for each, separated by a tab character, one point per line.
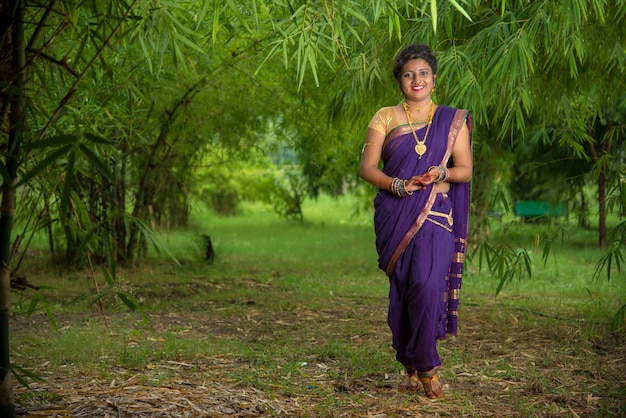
562	283
297	311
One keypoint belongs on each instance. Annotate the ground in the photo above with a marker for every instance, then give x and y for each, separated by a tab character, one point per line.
504	363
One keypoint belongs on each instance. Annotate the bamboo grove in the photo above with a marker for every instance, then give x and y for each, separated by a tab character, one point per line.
116	115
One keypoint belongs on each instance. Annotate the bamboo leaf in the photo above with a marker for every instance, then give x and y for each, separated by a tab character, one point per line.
39	300
527	263
152	239
98	297
53	141
66	193
235	9
32	306
397	25
97	139
356	14
187	41
311	58
202	13
109	277
433	14
100	165
20	374
481	254
546	252
460	9
355	34
128	300
87	236
216	20
503	280
46	163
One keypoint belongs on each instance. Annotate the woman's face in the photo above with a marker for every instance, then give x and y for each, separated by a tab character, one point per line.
417	80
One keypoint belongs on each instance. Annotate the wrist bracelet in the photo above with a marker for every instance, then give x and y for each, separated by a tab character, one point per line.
405	190
444	173
398	187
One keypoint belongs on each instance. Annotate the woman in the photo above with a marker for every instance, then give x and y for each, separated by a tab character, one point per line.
421	213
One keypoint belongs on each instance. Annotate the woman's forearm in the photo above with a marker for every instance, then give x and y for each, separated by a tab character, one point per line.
375	177
460	174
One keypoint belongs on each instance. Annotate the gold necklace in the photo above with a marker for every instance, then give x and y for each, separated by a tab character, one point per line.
420	146
418	109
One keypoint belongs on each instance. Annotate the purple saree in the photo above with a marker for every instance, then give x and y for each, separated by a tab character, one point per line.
420	248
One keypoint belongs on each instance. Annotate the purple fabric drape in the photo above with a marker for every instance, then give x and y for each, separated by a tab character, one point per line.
400	222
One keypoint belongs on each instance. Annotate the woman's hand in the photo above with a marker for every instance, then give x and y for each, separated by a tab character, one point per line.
420	182
430	176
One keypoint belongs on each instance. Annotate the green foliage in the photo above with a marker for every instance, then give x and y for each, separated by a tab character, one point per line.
23	376
505	262
267	174
288	194
312	34
613	258
125	297
159	110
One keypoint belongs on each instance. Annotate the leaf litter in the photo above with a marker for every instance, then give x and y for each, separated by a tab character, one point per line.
504	362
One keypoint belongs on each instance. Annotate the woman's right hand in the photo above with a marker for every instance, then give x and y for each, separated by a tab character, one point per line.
420	182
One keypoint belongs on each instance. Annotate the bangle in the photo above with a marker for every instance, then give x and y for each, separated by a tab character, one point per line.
444	173
441	173
395	186
405	190
398	187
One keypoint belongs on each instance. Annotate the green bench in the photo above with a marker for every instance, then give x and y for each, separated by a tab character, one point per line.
538	208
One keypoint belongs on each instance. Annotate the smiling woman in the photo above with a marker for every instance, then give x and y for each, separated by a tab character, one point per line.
421	213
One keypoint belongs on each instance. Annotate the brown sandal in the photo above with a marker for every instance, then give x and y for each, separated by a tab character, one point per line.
409	384
432	386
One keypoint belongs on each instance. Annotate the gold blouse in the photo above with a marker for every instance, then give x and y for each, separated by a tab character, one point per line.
385	119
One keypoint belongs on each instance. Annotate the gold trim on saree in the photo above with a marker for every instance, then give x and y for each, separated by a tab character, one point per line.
446	227
446	216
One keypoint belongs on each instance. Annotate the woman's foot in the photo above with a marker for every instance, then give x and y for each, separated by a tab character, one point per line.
409	384
432	386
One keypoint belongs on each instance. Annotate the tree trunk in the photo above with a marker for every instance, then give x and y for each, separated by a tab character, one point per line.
602	208
11	19
597	156
602	185
7	408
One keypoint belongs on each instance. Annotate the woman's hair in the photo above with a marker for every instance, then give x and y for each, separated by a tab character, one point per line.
412	52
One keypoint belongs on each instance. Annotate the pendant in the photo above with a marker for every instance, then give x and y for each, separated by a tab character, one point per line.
420	149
